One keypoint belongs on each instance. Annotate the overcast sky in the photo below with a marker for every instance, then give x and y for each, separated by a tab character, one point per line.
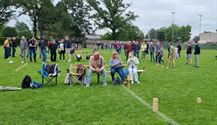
157	13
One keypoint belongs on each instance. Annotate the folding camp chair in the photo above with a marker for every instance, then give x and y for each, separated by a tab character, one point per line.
79	75
49	73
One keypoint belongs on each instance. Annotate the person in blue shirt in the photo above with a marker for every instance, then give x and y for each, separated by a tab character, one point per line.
196	54
152	50
116	65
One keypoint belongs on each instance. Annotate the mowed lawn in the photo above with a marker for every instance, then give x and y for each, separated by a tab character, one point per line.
177	89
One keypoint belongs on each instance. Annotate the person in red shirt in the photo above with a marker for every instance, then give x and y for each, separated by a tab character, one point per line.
129	49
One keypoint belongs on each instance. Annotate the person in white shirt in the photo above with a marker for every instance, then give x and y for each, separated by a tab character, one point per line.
132	63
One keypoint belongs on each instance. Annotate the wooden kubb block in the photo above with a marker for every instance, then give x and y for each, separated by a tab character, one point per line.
155	105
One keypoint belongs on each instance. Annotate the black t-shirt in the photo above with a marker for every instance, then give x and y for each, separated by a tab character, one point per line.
189	50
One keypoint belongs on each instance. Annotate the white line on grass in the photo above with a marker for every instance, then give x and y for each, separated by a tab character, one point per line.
21	67
146	104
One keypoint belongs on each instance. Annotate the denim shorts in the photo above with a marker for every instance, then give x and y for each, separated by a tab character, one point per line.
188	56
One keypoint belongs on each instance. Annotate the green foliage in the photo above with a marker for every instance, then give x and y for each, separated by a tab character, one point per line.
80	15
181	33
5	11
22	30
114	16
160	35
9	32
152	34
127	33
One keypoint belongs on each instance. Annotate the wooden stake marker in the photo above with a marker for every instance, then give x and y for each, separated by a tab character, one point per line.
199	100
129	79
155	105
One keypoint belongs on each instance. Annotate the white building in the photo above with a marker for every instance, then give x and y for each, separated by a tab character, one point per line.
208	37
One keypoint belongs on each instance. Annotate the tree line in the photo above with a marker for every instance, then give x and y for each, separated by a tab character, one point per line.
78	18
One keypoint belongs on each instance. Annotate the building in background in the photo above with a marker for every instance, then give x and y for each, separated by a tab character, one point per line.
208	37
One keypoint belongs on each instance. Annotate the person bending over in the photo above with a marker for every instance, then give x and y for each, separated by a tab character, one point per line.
96	65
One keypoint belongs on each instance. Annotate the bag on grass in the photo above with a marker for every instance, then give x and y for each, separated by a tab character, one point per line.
26	81
117	81
35	85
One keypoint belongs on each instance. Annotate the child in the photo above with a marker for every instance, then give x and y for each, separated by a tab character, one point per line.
132	63
62	50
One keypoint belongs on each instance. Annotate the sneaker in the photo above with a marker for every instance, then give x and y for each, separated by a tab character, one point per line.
22	62
105	84
138	82
87	85
132	82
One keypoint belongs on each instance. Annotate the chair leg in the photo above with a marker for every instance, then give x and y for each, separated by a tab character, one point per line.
98	76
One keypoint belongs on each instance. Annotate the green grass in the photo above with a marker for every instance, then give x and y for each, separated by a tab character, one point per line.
177	90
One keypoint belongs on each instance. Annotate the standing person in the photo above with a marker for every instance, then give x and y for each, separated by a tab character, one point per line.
61	48
152	49
132	63
116	66
68	45
157	49
179	49
97	65
119	48
129	49
144	49
32	49
125	49
53	51
23	48
136	49
171	60
6	46
160	55
42	45
13	46
176	53
189	54
196	54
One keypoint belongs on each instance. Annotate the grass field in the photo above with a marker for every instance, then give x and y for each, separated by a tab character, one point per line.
177	90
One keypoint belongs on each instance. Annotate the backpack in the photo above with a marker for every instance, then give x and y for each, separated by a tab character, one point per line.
26	81
117	81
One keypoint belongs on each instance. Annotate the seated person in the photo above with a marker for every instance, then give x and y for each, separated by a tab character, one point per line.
132	63
96	65
116	66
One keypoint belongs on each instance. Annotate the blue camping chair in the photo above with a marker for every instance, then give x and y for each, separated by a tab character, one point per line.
49	73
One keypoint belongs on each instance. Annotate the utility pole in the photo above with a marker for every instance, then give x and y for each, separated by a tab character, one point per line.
200	16
173	22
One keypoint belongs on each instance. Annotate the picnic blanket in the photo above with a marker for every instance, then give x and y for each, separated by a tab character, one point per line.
9	88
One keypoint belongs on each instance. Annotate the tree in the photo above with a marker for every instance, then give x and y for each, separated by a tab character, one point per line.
9	32
152	34
35	9
127	33
80	19
5	11
196	38
114	16
181	33
161	35
48	20
22	30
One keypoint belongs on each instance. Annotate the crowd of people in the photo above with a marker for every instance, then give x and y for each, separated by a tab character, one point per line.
156	51
29	47
133	51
